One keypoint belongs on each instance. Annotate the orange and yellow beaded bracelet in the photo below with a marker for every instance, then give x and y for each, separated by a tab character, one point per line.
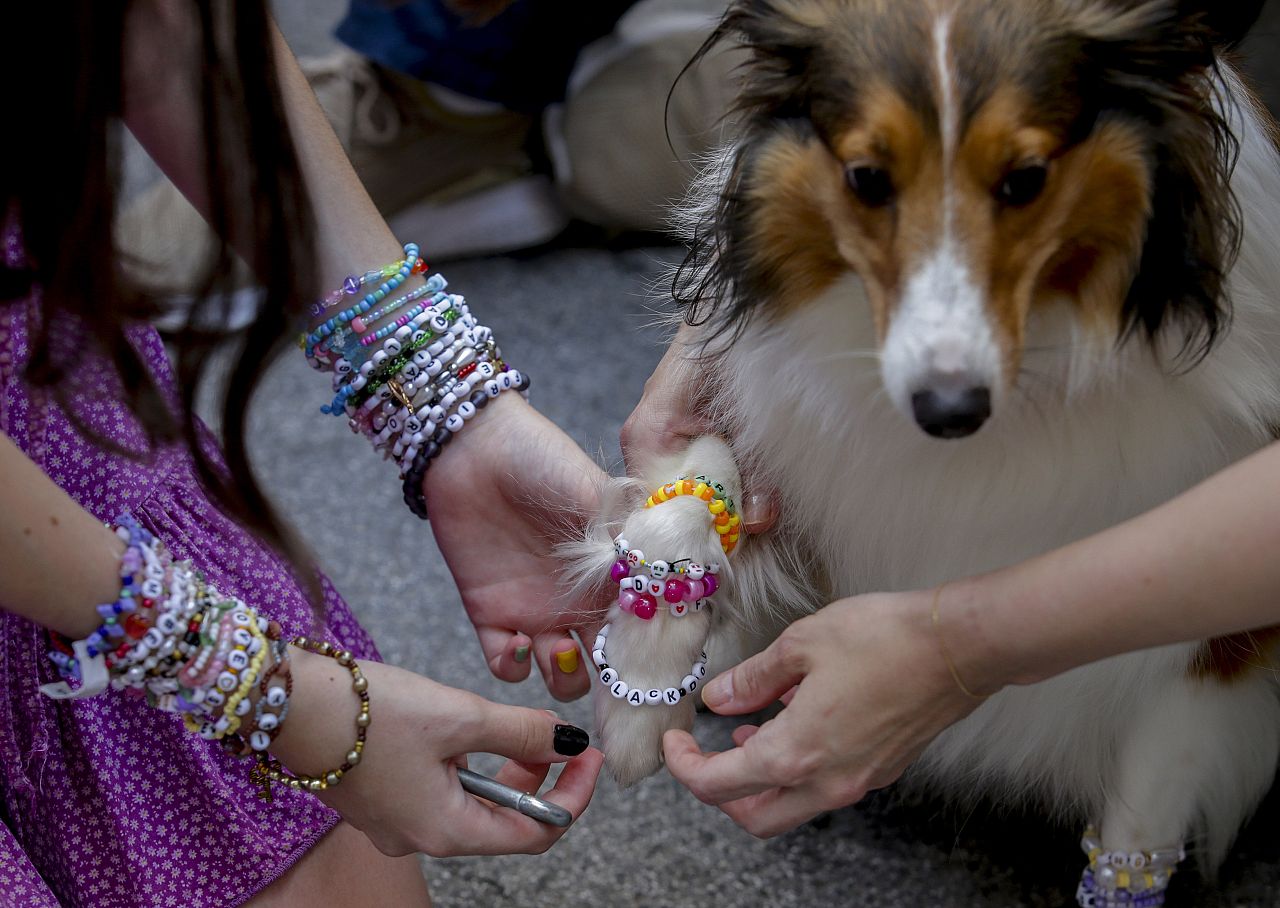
724	515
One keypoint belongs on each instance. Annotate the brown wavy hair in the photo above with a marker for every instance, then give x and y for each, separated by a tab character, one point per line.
63	71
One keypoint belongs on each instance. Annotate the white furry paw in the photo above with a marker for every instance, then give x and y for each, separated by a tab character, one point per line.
653	659
643	690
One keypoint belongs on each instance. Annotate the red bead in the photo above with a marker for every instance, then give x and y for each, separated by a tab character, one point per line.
148	603
646	607
419	266
675	591
135	626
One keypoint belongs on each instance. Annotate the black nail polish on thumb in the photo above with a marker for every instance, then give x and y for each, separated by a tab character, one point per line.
570	740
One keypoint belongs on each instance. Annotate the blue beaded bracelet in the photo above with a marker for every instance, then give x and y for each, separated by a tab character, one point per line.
337	323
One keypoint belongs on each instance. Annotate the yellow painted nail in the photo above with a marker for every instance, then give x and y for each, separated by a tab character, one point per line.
568	661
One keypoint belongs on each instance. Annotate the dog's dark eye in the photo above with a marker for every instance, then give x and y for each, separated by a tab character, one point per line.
1022	185
873	186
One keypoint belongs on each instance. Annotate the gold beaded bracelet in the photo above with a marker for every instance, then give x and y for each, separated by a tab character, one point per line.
266	770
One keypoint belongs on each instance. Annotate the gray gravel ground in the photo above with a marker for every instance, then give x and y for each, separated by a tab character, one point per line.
653	845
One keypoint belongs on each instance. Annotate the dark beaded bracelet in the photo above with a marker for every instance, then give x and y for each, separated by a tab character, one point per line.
414	496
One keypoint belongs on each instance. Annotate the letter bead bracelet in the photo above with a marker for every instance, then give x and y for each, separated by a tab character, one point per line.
172	638
408	386
684	585
642	696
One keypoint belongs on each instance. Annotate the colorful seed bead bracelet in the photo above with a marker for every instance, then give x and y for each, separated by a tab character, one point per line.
351	286
341	319
723	513
410	385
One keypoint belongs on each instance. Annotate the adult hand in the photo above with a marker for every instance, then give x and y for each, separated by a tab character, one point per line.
866	689
405	794
673	411
501	497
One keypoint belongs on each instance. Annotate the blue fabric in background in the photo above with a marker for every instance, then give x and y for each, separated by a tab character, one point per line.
521	58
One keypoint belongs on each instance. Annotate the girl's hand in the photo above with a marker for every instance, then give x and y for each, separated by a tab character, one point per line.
405	794
504	493
866	689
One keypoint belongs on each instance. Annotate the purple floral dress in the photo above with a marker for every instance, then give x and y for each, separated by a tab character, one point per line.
104	801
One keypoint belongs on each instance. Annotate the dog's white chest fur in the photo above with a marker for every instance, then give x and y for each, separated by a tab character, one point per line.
1091	433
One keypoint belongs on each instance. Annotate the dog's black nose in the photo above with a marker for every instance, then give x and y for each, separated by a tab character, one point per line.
948	413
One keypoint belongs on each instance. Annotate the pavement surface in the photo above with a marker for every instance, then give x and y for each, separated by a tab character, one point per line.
653	845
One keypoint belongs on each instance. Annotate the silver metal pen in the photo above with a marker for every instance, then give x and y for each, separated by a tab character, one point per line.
506	796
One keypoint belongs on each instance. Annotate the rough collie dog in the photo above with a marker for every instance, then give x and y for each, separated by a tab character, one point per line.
976	279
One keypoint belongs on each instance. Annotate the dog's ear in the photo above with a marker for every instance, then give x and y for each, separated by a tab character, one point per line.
1227	20
780	36
1155	66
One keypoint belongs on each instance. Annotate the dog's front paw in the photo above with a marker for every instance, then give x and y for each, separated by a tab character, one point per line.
645	688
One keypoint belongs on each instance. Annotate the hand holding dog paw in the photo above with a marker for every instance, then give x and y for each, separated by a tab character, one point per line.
866	689
672	413
504	494
405	794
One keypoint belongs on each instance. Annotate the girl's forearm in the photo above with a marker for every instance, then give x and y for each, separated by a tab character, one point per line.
1202	565
56	561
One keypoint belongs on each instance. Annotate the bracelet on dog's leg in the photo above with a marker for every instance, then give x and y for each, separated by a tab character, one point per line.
1132	879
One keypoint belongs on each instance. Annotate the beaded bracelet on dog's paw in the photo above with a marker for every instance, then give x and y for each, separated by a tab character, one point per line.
653	696
683	584
724	515
1135	879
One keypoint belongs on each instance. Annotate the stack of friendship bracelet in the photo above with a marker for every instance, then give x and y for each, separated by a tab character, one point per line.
724	515
172	638
683	585
1135	879
414	383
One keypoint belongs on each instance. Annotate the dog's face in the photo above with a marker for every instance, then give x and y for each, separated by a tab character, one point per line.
971	160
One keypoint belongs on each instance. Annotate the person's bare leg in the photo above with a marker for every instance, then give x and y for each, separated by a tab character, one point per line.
345	869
